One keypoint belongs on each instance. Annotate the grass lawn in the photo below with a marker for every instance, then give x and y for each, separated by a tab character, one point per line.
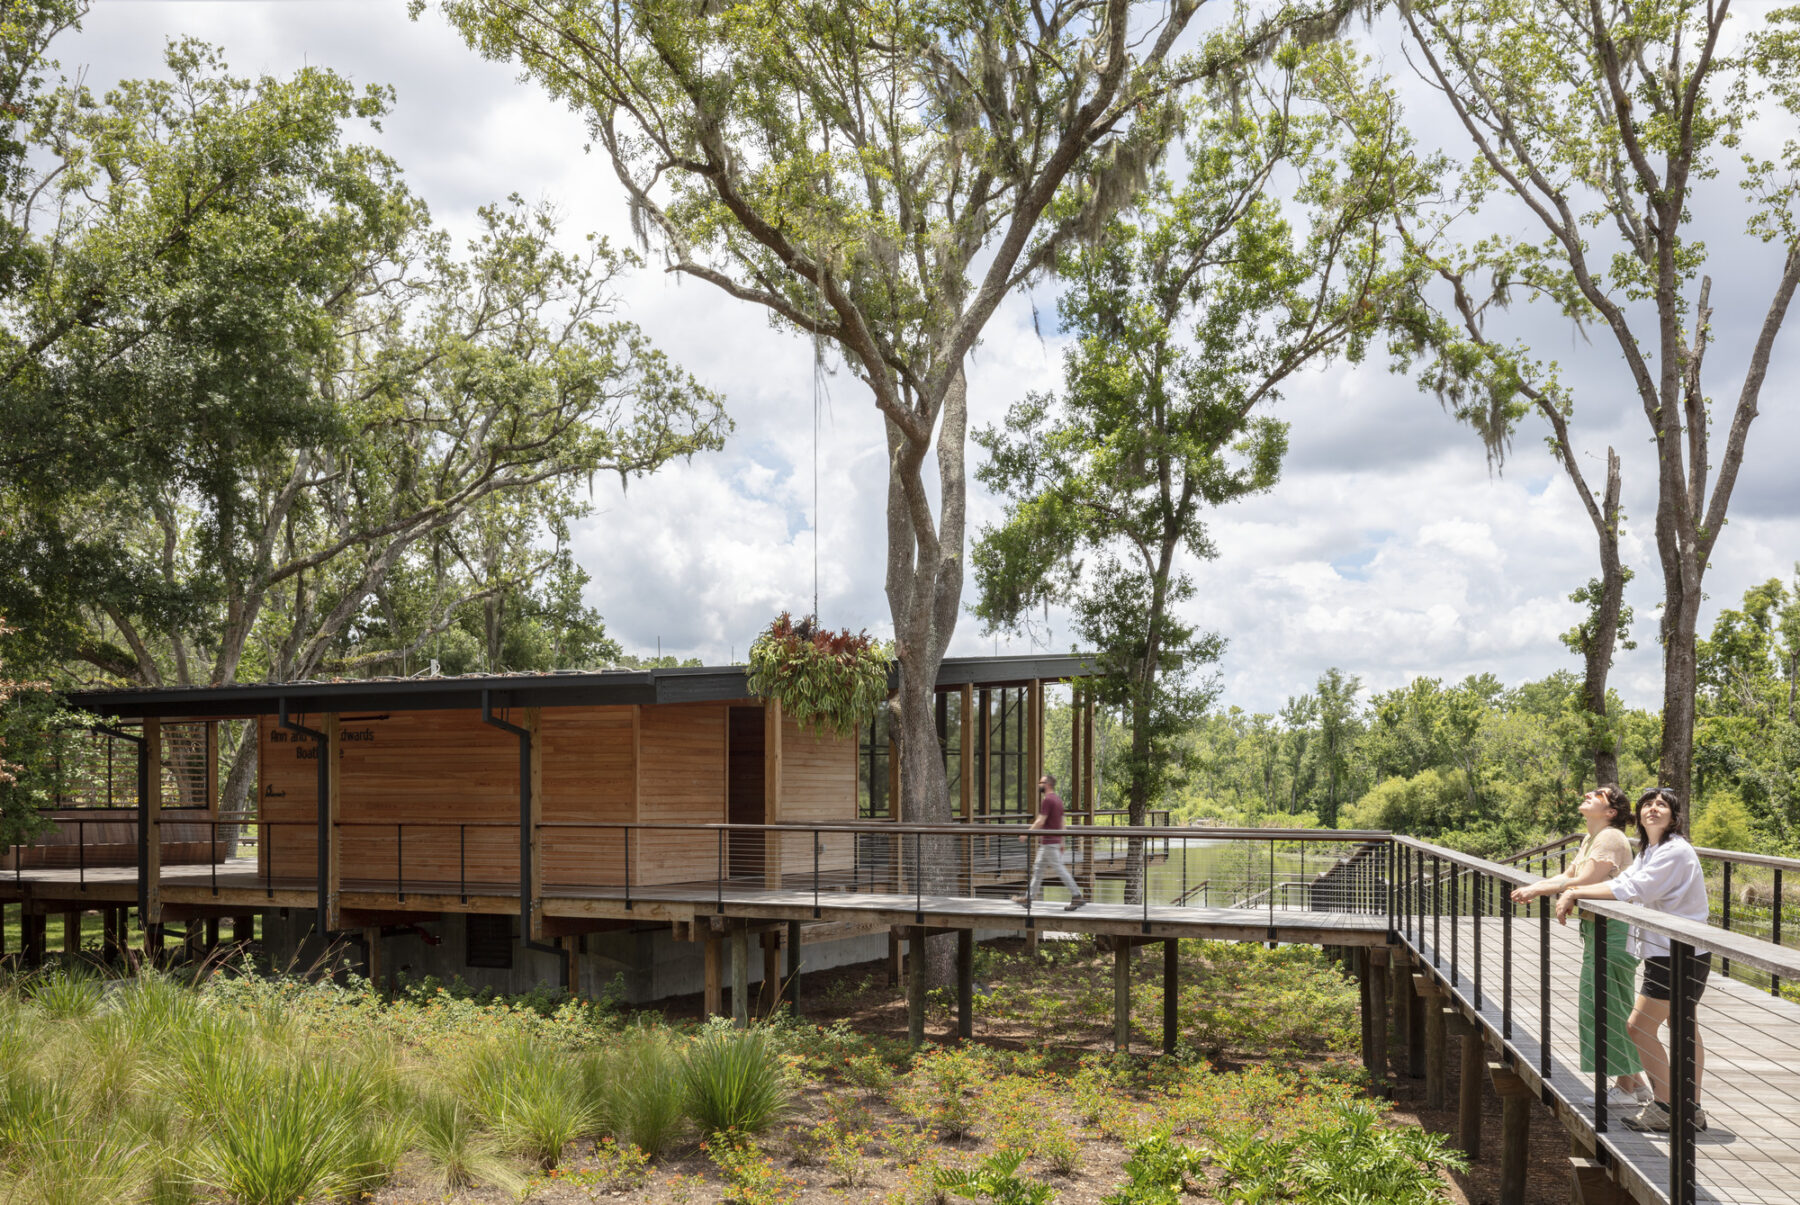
252	1090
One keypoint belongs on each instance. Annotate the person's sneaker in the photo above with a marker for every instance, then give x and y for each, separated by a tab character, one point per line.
1020	900
1699	1119
1620	1098
1075	903
1653	1118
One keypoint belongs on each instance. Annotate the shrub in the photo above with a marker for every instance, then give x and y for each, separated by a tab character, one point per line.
734	1082
996	1179
1159	1170
940	1091
753	1177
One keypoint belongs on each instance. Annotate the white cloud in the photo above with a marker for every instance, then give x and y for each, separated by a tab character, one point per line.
1388	550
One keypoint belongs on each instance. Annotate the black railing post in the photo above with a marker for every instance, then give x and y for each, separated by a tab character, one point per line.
1598	988
815	873
81	852
1437	912
1455	924
1506	919
1544	991
1775	931
1725	917
627	832
462	861
1476	905
212	830
400	862
1683	1049
719	887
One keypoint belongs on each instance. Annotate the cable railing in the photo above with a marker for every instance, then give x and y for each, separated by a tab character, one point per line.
1746	891
1449	906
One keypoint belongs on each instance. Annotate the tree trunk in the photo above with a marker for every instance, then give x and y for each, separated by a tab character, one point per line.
1607	608
924	589
1681	614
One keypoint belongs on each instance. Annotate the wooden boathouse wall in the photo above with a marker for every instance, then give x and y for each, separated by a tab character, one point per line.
413	777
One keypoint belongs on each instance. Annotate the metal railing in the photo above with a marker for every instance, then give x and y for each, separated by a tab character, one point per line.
1743	898
1439	889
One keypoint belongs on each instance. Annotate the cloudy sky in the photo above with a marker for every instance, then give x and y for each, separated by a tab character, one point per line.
1388	549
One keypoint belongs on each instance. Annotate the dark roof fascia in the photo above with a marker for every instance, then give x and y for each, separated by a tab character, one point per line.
610	688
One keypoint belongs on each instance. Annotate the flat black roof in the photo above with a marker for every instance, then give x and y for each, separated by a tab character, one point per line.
562	688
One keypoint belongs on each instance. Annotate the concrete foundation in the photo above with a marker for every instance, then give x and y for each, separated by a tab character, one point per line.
648	962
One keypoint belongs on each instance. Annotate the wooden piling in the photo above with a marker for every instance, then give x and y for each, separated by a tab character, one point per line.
1377	1060
1515	1132
740	977
71	932
372	967
243	927
1435	1051
712	996
111	921
771	984
965	983
793	967
893	957
1468	1086
1357	963
915	986
1171	993
1122	995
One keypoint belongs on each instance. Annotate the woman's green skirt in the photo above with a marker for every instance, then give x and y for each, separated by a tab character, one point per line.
1621	994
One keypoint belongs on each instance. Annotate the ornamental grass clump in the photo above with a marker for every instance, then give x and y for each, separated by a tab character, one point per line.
533	1096
64	995
638	1089
734	1082
459	1151
830	682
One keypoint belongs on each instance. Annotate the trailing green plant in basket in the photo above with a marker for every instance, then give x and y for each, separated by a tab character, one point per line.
830	682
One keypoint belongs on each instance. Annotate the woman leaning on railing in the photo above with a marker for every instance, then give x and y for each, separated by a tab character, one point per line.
1668	878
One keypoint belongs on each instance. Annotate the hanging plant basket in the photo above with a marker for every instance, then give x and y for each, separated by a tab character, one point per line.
830	682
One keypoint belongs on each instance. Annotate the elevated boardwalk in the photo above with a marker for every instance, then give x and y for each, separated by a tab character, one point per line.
1749	1152
1511	976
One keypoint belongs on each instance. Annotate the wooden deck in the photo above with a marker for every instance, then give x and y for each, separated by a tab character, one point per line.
240	887
1750	1153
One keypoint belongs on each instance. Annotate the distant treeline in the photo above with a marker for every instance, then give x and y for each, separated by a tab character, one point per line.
1490	768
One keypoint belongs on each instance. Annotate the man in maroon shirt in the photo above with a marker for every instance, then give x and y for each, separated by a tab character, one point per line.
1050	849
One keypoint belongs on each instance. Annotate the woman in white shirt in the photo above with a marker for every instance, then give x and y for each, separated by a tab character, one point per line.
1668	878
1604	853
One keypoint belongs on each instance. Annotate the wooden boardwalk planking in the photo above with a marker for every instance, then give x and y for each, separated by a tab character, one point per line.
241	886
1751	1085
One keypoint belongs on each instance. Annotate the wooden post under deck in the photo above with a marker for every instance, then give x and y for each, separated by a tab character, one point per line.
372	943
915	985
770	995
1470	1073
740	977
712	994
965	983
1171	993
1515	1132
1122	994
893	958
793	966
71	932
1435	1046
1378	1018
